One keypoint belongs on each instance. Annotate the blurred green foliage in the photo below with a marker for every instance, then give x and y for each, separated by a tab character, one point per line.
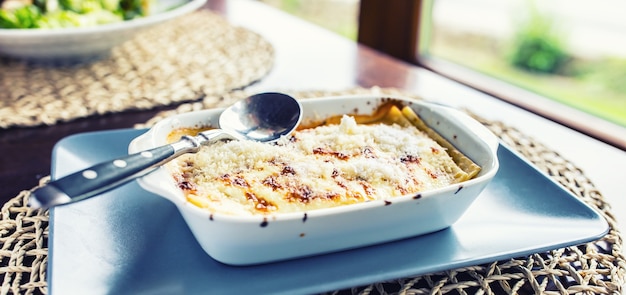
537	46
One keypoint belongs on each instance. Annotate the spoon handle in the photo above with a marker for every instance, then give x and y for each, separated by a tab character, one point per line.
110	174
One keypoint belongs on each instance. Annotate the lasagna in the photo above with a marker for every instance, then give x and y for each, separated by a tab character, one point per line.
340	161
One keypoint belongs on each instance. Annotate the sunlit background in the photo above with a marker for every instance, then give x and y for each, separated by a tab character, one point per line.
571	51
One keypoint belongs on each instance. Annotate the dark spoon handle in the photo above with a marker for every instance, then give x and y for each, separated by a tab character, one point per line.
110	174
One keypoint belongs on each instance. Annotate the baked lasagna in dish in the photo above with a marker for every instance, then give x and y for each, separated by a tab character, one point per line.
337	161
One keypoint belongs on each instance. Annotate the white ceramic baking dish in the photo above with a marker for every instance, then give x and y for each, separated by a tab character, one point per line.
259	239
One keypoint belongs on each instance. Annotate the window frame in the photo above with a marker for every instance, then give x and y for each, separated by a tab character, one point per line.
401	28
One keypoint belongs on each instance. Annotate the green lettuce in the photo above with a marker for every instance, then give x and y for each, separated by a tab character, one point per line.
70	13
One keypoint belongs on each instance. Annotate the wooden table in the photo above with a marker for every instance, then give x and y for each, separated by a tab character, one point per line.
311	58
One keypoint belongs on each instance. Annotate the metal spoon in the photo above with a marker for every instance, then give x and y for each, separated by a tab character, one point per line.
263	117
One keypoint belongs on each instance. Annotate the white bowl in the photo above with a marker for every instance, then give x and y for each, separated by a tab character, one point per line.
77	44
260	239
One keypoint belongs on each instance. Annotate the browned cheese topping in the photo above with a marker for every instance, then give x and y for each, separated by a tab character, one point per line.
325	166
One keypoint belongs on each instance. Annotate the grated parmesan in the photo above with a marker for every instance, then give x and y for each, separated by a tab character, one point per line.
321	167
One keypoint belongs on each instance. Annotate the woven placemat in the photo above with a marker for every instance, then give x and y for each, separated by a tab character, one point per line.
183	60
598	267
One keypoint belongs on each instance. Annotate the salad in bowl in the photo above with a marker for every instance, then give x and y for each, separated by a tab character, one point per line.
48	14
79	29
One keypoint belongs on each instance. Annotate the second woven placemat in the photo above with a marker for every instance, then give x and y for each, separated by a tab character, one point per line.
183	60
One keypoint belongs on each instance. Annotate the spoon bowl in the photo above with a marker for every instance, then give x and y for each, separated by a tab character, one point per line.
263	117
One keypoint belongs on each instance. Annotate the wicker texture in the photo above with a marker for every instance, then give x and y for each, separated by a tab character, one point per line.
183	60
23	247
598	267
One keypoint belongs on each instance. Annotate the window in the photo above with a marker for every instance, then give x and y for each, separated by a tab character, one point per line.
565	51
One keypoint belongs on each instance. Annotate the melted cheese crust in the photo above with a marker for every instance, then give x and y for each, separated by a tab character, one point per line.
321	167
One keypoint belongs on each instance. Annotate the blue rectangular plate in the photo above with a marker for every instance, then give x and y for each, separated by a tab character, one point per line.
129	241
